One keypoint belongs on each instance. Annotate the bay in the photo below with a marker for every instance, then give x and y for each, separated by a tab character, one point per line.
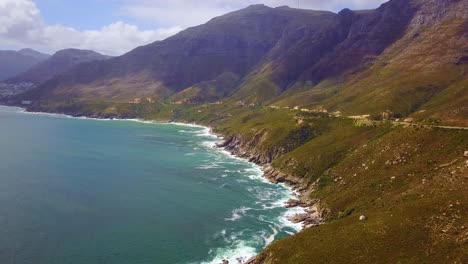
94	191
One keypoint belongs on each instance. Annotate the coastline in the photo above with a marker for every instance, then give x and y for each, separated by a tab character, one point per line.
302	212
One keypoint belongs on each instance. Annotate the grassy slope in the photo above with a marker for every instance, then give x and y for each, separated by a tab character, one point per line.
409	182
416	208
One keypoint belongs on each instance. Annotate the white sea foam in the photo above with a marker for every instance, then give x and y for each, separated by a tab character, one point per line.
238	213
206	132
287	193
271	238
209	144
45	114
208	166
224	185
285	222
241	180
240	252
187	125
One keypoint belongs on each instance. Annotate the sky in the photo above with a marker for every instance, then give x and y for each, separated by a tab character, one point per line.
113	27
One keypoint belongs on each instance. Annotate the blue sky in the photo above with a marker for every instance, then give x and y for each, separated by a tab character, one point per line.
116	26
81	14
86	14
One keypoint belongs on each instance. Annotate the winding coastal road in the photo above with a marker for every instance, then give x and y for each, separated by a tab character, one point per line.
433	126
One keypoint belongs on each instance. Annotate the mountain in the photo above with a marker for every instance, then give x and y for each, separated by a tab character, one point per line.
58	63
15	62
230	44
364	113
355	62
421	73
34	54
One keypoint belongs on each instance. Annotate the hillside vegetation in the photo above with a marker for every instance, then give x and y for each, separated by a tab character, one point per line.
350	108
409	182
406	58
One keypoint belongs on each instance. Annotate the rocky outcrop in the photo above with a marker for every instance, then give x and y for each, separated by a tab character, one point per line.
250	149
432	12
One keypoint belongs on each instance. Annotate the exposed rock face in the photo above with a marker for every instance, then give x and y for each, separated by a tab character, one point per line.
313	215
432	12
366	35
247	149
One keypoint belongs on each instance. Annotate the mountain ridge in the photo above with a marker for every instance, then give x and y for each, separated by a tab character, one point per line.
15	62
288	57
350	108
61	61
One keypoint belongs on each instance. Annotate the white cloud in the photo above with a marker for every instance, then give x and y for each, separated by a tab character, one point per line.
21	25
18	19
114	39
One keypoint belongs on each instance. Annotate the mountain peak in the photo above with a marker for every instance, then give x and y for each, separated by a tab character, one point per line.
72	51
58	63
258	6
15	62
28	50
33	53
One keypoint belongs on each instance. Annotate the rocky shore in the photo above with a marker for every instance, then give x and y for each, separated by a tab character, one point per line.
313	213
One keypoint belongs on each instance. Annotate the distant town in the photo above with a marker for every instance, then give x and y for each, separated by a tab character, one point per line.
11	89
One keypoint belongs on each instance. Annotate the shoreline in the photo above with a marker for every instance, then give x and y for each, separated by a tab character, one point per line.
307	214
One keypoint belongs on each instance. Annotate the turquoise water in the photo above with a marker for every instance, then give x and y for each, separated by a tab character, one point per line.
93	191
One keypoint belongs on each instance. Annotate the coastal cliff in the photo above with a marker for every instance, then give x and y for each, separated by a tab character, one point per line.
246	149
372	188
391	187
364	113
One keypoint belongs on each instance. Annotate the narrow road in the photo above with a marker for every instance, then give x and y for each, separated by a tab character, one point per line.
433	126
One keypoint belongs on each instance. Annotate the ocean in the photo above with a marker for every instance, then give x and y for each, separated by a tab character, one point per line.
76	190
